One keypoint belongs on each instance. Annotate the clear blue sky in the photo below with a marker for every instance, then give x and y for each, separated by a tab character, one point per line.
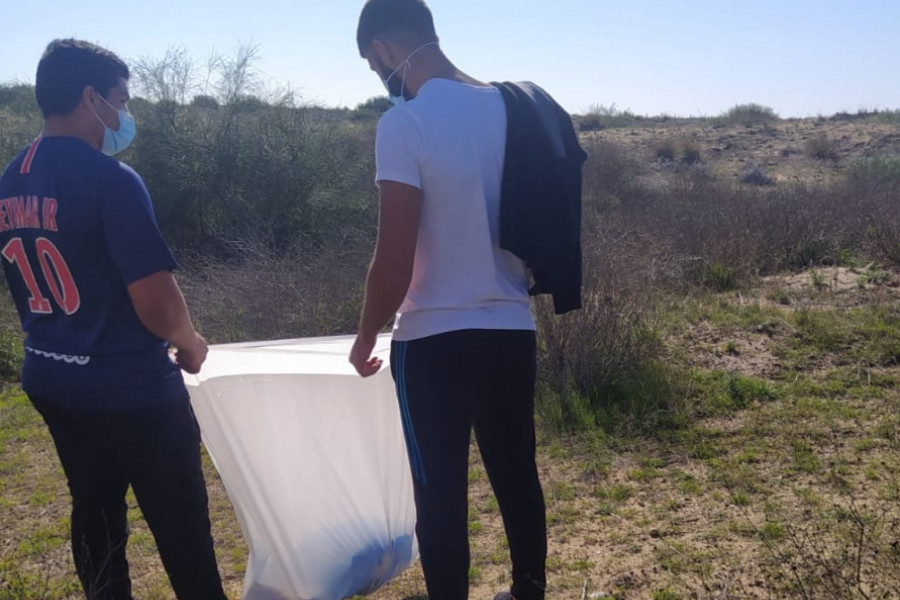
679	57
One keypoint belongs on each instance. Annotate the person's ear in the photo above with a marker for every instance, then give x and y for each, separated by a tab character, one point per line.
89	97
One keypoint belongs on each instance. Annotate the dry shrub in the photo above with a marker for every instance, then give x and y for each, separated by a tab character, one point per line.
665	150
600	365
685	150
754	174
820	147
848	553
690	152
265	295
712	230
701	225
610	177
876	180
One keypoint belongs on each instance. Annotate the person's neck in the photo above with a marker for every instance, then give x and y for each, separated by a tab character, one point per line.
437	67
57	126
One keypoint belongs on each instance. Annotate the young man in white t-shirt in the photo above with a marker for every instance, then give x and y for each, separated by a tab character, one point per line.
463	351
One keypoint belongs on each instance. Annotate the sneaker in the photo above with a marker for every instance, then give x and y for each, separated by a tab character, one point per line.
504	596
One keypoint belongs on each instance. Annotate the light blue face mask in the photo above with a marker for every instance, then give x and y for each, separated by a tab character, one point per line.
116	140
398	97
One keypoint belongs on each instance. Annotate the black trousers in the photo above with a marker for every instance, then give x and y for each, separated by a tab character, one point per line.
447	385
157	452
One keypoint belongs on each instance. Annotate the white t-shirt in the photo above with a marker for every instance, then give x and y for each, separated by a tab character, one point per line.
450	142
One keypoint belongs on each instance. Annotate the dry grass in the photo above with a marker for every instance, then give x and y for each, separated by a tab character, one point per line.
785	483
778	147
264	295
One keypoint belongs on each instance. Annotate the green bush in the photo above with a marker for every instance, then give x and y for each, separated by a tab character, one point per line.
205	101
20	120
600	117
18	98
719	277
878	169
749	115
276	175
12	353
891	117
373	107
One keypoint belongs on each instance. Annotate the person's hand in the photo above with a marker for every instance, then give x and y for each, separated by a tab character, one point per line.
191	357
361	356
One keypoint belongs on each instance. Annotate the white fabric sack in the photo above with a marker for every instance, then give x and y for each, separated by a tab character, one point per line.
313	459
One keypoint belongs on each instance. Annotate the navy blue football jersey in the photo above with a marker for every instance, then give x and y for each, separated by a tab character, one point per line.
76	227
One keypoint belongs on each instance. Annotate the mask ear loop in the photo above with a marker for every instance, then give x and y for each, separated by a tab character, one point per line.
406	65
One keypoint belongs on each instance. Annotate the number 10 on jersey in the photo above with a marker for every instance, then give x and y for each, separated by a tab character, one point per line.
56	273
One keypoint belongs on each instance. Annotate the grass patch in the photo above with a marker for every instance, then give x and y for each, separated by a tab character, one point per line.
719	392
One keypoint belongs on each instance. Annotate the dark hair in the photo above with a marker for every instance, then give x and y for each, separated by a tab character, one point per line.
393	17
67	67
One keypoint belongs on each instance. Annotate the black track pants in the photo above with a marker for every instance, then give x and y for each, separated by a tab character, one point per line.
447	385
157	452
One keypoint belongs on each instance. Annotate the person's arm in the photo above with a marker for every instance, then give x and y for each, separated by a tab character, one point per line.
391	270
160	306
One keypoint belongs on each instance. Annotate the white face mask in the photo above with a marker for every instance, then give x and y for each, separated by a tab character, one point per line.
116	140
397	96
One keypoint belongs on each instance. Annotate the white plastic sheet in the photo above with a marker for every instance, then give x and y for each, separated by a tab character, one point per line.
314	462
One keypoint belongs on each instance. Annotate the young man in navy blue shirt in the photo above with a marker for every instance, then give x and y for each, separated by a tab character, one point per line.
92	280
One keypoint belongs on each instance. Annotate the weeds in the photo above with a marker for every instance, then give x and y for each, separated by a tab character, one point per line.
17	583
12	353
850	552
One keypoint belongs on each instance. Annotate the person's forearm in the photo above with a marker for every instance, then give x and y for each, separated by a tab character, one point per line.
170	321
385	289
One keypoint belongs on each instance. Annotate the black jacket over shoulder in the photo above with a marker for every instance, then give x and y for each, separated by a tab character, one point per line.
540	200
